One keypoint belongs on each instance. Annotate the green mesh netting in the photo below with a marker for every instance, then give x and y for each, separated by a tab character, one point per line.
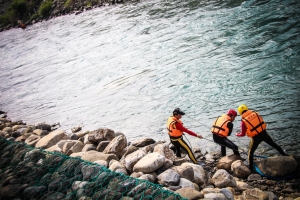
29	173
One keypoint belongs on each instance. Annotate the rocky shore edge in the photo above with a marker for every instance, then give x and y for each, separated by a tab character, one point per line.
146	159
45	10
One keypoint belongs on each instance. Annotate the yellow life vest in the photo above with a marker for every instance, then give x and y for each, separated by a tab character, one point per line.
254	123
220	126
172	130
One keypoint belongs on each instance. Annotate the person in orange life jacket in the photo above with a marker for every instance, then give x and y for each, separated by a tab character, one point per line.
253	126
175	129
221	129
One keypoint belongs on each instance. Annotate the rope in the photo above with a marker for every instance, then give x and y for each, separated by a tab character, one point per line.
242	151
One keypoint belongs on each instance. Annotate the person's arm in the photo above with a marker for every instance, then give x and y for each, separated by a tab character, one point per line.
183	129
230	127
243	128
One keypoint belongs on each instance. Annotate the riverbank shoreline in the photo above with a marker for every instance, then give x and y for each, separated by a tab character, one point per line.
57	9
78	144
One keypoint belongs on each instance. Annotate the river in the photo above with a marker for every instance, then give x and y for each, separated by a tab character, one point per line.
127	66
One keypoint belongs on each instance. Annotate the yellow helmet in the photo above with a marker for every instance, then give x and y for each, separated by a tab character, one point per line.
242	108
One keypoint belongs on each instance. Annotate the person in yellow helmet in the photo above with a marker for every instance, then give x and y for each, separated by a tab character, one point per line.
221	129
253	126
175	129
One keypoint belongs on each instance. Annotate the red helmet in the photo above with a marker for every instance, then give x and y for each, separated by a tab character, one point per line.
231	112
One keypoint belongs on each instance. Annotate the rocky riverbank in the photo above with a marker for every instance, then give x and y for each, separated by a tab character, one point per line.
23	13
154	161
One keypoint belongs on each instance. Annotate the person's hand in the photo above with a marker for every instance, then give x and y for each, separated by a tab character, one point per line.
237	132
199	136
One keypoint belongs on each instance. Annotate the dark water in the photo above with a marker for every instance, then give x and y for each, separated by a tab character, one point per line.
126	67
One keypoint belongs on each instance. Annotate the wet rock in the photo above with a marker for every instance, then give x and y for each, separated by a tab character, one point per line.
168	178
179	161
254	194
33	192
101	162
91	172
51	139
116	146
240	169
222	179
10	191
102	134
116	166
148	177
32	140
149	163
226	161
185	183
279	166
40	132
102	145
189	193
243	186
199	173
186	172
143	142
164	150
131	159
88	147
76	129
254	177
7	130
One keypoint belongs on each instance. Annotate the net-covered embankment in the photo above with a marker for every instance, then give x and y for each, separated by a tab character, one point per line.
30	173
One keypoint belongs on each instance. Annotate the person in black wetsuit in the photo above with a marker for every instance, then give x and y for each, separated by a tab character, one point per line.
221	129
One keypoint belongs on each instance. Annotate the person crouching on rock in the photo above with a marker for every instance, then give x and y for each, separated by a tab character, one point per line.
222	128
175	129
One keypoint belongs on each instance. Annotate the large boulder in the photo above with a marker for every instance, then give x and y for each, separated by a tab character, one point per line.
169	178
277	166
254	194
164	150
131	159
143	142
189	193
73	146
199	173
32	140
184	183
51	139
116	166
223	179
226	161
149	163
116	146
186	172
240	169
102	134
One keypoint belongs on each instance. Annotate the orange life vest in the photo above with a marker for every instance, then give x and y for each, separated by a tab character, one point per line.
172	130
254	123
220	126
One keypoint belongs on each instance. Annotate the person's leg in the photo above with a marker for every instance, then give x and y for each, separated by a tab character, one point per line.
232	146
254	142
186	147
177	148
267	139
223	150
219	140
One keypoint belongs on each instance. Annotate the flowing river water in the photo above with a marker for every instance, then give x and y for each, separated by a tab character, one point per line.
126	67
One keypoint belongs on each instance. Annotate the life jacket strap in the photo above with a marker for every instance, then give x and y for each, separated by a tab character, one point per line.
260	124
218	127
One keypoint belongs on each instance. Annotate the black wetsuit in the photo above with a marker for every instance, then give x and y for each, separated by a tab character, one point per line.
256	140
225	142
